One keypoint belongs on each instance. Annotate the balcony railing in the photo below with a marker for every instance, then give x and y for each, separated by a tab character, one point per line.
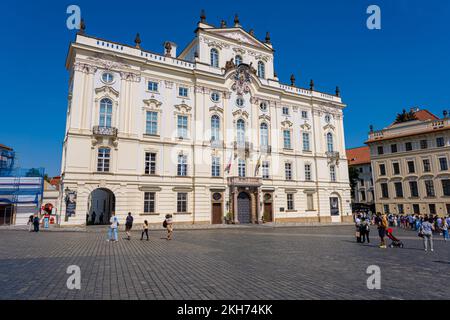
247	146
332	154
105	131
266	149
244	182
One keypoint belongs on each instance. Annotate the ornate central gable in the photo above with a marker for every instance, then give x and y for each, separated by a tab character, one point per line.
239	36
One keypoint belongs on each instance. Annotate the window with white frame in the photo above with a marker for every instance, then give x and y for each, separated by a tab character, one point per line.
308	176
241	168
149	202
240	128
261	70
287	139
288	170
105	116
153	86
333	173
182	126
214	58
304	114
290	201
215	166
264	132
285	111
183	92
107	77
151	123
306	143
215	96
182	165
215	128
103	159
310	202
182	202
150	163
265	170
330	143
443	163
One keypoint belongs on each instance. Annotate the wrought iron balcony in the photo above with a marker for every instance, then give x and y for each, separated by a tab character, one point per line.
332	154
266	149
105	131
247	146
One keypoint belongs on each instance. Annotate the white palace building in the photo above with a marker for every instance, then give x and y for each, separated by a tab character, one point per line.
208	134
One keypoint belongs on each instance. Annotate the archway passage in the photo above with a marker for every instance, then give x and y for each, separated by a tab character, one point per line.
101	204
244	208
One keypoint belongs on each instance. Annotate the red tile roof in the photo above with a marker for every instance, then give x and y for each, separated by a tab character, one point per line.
55	181
359	155
424	115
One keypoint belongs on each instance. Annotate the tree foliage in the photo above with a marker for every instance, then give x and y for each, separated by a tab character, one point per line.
405	116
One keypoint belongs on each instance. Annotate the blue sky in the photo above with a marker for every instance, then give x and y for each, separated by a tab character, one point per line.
380	72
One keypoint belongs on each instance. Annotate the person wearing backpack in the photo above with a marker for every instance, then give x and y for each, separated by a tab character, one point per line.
129	225
114	224
168	224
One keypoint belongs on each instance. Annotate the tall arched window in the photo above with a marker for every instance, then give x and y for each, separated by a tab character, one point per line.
105	113
261	70
215	128
264	132
214	58
240	132
330	144
237	60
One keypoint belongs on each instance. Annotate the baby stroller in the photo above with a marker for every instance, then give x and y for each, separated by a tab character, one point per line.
395	242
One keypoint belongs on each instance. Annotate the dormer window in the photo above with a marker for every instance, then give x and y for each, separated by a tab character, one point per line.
261	70
214	58
237	60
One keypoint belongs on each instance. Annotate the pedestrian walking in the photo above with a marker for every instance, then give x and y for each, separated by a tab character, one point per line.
46	220
36	223
93	217
426	231
365	230
382	226
113	225
129	225
168	224
358	229
144	230
444	228
30	223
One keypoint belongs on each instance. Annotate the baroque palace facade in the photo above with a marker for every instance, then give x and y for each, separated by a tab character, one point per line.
209	135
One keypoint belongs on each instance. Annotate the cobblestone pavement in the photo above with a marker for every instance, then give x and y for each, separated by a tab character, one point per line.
248	263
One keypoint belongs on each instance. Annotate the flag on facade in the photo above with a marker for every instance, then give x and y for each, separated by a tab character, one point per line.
228	167
258	165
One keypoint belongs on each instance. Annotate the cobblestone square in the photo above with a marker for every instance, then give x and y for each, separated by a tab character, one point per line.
243	263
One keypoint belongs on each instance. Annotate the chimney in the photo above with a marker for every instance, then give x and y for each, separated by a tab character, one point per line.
170	49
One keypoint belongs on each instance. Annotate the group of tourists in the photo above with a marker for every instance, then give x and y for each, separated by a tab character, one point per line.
34	221
113	230
425	226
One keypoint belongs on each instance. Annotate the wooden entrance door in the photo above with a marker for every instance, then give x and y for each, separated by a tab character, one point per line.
268	216
217	214
244	208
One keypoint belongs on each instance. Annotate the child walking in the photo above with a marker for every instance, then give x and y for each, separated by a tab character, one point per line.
144	230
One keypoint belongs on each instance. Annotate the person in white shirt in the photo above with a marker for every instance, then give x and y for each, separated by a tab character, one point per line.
114	224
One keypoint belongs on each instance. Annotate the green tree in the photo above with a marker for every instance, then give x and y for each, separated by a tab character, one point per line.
405	116
353	175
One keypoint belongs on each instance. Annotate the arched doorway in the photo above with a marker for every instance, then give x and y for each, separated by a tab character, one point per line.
101	204
244	208
268	210
335	207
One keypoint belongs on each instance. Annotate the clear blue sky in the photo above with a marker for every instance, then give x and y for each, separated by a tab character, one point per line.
405	64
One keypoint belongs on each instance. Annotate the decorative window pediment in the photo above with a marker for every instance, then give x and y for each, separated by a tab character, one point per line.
152	104
328	127
306	127
216	108
183	108
264	117
241	113
107	91
286	124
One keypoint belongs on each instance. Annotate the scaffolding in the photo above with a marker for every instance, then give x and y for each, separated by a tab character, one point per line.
21	193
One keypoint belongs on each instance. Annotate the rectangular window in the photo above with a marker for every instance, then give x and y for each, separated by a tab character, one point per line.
103	159
440	142
152	86
215	167
408	146
183	92
151	124
426	165
361	182
382	169
400	208
380	150
182	166
150	163
288	171
149	202
386	209
393	148
333	173
285	111
432	208
396	167
290	201
308	172
416	209
304	114
182	126
287	139
448	208
423	144
445	187
414	189
411	167
182	202
398	189
265	170
310	202
241	168
384	190
429	187
306	144
363	196
443	164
